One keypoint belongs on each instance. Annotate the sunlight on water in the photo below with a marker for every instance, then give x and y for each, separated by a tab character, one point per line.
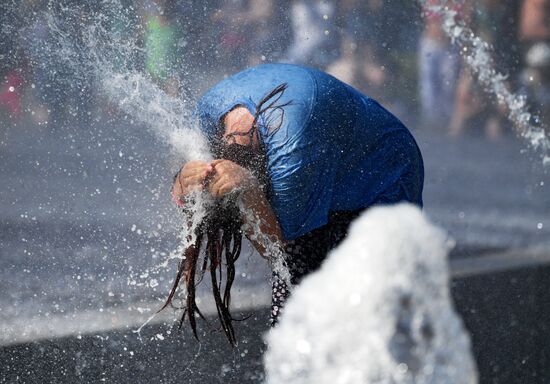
478	55
106	58
378	311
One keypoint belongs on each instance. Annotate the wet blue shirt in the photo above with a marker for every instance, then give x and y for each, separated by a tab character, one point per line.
330	149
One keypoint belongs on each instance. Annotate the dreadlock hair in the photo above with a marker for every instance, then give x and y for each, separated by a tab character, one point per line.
219	235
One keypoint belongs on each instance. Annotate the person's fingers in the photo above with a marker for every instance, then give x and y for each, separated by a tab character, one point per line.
195	176
217	161
223	164
177	188
213	189
226	188
215	182
221	187
185	172
195	164
228	168
183	186
194	180
220	191
190	177
203	169
177	200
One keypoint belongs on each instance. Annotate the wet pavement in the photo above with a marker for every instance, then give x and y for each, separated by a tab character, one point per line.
86	223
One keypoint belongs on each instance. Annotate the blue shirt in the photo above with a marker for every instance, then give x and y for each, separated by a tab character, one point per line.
330	149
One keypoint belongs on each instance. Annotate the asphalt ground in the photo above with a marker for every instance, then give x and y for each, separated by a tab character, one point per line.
506	313
86	223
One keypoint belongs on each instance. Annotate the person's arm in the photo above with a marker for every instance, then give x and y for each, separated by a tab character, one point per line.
229	177
263	219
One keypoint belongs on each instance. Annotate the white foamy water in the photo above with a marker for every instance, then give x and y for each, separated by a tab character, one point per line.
478	56
168	117
378	311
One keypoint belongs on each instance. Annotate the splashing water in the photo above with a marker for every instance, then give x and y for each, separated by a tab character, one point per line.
273	248
400	325
107	58
138	97
478	56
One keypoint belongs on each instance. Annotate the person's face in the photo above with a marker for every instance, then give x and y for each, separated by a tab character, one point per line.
238	124
238	146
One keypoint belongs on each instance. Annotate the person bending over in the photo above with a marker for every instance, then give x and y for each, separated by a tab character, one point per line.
307	154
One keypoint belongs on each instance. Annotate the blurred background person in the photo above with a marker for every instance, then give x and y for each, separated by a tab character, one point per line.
471	107
230	25
160	46
260	18
534	33
37	36
314	38
359	63
534	22
10	94
375	51
438	65
535	79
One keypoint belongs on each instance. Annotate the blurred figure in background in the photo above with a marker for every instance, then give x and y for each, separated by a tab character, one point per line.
345	67
160	46
360	65
315	41
230	24
534	32
371	46
535	79
439	65
472	108
376	54
259	17
42	93
10	94
534	22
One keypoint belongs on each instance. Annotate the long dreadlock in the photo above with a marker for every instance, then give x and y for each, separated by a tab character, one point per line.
220	231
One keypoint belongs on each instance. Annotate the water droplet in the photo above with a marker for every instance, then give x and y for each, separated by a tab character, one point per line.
302	346
355	299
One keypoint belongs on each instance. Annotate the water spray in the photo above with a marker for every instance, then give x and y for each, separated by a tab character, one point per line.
478	55
169	118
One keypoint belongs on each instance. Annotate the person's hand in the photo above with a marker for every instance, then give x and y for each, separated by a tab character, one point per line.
192	176
229	177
